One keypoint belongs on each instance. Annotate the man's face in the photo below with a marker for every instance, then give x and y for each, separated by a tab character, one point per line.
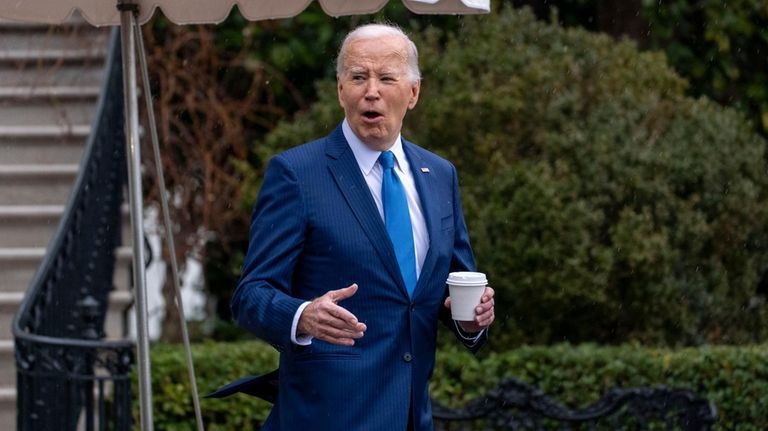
375	90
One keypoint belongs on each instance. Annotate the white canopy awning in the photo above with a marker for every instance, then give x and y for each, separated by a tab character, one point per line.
104	12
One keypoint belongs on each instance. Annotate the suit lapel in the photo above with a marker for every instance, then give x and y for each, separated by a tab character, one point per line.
346	173
426	187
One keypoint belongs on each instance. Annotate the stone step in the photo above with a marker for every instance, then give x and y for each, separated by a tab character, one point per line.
58	38
49	131
13	56
18	267
67	74
7	385
7	364
44	93
44	111
8	407
9	303
34	225
36	184
28	226
116	325
42	150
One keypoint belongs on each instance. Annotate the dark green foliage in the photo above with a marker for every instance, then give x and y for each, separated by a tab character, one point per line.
734	378
720	46
215	365
603	203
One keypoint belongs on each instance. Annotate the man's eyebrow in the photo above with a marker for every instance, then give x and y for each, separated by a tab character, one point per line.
358	70
390	74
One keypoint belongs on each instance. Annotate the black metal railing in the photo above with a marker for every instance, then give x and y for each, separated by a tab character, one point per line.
68	376
516	405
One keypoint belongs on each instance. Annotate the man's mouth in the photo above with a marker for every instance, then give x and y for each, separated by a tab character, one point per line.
372	115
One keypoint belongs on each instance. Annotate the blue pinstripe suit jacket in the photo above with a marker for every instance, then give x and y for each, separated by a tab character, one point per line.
316	228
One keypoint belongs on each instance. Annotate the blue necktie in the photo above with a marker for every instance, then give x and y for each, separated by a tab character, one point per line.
397	219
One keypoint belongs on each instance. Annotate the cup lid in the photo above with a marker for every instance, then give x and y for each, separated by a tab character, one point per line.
467	278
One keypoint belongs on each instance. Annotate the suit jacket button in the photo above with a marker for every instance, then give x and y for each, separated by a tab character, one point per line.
407	357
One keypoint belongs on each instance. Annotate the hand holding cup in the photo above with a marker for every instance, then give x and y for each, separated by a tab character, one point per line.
471	300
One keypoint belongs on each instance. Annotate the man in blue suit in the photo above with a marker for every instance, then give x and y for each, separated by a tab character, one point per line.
352	239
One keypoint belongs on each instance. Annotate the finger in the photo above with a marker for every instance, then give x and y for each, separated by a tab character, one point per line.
337	336
341	341
345	326
344	318
484	320
336	333
488	294
447	302
484	307
486	323
482	317
340	294
330	314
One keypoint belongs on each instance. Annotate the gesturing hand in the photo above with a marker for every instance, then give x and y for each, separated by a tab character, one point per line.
324	320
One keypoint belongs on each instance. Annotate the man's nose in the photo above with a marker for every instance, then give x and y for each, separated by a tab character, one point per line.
372	89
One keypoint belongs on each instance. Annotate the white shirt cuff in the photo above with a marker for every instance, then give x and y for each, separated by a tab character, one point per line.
303	340
472	339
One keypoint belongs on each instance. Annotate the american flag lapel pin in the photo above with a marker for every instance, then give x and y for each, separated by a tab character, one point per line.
425	170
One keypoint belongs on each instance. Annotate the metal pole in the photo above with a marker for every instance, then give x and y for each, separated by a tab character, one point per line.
127	10
168	225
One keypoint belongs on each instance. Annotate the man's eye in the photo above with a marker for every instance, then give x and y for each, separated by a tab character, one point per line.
358	77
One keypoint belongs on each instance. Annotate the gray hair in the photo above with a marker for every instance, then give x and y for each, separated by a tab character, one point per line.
371	31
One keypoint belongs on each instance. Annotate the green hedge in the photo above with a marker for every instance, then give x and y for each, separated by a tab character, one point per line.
734	378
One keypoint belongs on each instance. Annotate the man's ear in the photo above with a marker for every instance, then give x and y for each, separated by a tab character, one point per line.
339	87
415	89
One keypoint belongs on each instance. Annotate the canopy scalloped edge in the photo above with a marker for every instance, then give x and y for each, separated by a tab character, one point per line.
104	12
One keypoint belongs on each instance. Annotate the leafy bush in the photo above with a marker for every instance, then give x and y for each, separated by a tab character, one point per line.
732	377
215	365
719	46
603	203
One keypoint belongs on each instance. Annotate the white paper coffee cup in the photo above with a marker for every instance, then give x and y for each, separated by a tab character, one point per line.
466	289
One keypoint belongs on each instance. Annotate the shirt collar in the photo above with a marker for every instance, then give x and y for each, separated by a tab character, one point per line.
367	157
